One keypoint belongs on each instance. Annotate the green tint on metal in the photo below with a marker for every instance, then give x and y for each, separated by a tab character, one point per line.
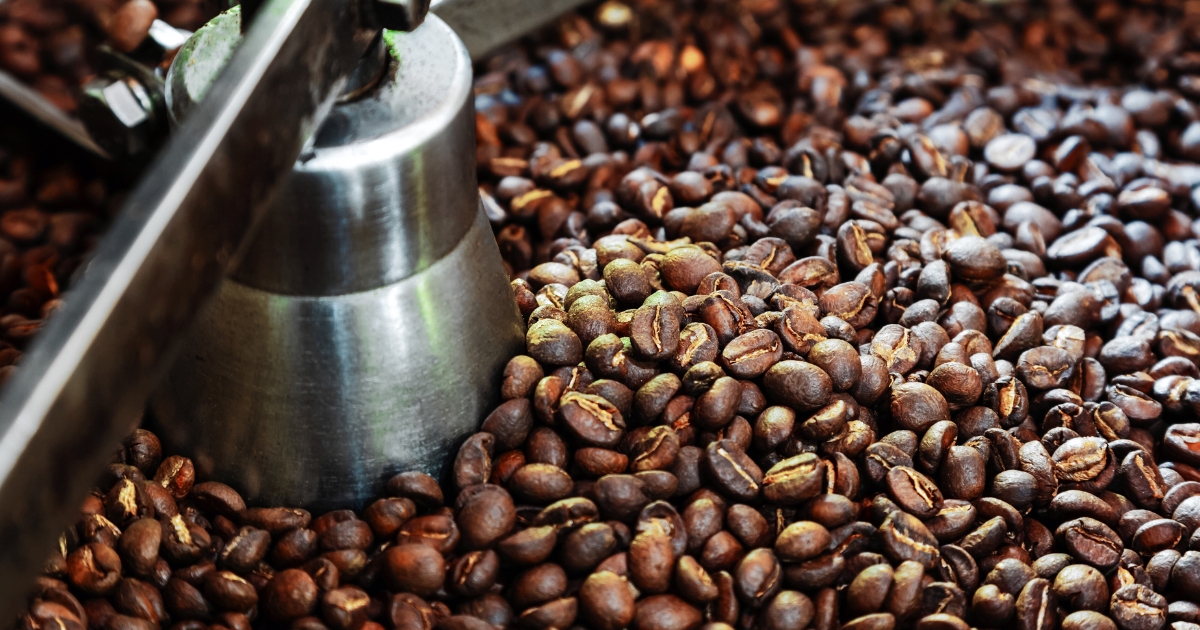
389	38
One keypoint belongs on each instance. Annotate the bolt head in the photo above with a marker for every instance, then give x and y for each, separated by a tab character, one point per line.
120	115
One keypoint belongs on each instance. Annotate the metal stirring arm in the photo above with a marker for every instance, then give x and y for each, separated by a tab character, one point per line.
85	380
481	24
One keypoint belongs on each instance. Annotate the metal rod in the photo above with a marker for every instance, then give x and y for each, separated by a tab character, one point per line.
485	24
45	112
84	382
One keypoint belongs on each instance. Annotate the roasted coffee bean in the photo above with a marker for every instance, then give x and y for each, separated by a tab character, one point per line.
758	577
1135	606
1091	542
917	406
290	594
1036	606
606	601
416	568
1081	587
250	545
665	612
794	480
914	492
904	537
734	471
418	487
802	541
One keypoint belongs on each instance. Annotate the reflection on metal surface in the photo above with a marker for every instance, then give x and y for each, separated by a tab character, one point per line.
317	401
85	380
485	24
367	327
43	111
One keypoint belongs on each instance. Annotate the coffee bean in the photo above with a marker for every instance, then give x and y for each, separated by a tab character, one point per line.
591	418
794	480
917	406
1036	606
606	601
1009	152
664	612
914	492
289	595
1136	607
1087	619
416	568
758	577
734	471
1091	542
904	537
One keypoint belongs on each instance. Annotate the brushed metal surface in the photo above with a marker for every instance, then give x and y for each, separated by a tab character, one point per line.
317	401
367	328
485	24
45	112
390	185
84	382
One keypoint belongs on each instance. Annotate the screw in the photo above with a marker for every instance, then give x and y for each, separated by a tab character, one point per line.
122	114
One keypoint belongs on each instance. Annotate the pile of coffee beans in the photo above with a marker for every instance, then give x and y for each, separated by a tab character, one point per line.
840	315
54	203
50	44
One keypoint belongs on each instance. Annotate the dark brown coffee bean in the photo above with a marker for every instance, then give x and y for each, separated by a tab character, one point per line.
592	419
620	497
418	487
1081	587
1136	607
250	545
973	259
794	480
904	537
651	561
228	592
529	546
750	355
540	483
735	472
788	609
541	584
758	577
1076	503
913	491
1036	606
474	462
665	612
94	568
1087	619
1091	542
694	582
802	541
684	267
917	406
606	601
292	593
869	589
415	568
655	328
716	407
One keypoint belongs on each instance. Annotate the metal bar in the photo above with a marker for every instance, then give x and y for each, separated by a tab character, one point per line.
46	113
485	24
84	382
